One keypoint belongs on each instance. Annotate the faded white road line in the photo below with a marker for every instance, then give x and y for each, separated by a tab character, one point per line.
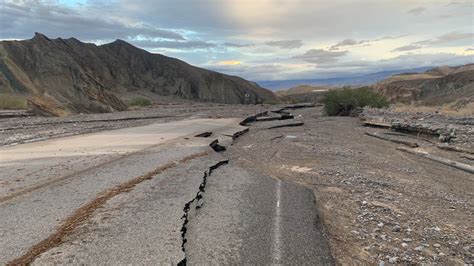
276	226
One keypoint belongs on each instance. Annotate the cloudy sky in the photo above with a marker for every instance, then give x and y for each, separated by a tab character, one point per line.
264	39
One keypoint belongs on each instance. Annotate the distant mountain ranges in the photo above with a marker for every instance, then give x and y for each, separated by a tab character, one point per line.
435	87
453	86
65	76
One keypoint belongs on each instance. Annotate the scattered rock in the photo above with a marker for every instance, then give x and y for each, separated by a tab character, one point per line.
216	146
204	135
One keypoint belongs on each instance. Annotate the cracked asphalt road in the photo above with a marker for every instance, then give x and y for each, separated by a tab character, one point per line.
47	189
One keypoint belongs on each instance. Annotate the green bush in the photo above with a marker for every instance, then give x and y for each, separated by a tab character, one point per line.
344	101
12	102
140	101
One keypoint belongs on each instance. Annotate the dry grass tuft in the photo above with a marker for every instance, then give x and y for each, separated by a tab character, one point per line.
12	102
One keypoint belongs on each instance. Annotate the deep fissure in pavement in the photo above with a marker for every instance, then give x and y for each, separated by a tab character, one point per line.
85	212
198	201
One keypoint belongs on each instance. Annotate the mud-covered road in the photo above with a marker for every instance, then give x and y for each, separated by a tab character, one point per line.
153	194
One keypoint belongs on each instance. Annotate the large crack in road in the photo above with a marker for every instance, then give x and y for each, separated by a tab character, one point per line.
197	203
82	214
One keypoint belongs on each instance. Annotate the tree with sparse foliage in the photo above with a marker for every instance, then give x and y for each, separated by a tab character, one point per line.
344	101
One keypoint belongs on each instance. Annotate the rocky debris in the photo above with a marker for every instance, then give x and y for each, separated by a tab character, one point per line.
454	130
267	119
454	148
216	146
204	135
15	113
295	124
252	118
293	107
283	116
239	133
469	157
457	165
406	143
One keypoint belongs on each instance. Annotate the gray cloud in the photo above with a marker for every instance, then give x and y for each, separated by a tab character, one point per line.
237	45
352	42
420	60
286	44
409	47
20	19
447	38
416	10
450	37
320	56
175	44
469	49
347	42
252	72
389	37
406	61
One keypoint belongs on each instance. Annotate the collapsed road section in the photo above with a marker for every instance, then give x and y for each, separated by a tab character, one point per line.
82	215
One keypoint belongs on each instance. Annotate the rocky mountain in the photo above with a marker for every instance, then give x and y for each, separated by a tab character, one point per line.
66	76
303	93
438	86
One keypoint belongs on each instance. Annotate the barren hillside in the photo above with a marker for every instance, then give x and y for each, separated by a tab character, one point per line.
438	86
64	76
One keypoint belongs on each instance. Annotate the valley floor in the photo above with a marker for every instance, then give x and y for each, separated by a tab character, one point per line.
375	203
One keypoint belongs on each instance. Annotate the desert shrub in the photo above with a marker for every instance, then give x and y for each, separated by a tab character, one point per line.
140	101
12	102
344	101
